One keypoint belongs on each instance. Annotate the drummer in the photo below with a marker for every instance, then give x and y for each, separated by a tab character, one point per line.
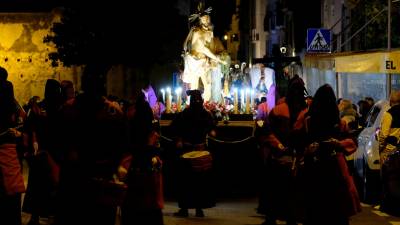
191	127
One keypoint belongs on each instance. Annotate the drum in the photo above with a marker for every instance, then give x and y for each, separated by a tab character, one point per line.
198	160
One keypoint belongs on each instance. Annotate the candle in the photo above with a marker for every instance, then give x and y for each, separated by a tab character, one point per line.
235	101
242	100
226	86
252	98
178	92
247	101
168	101
163	95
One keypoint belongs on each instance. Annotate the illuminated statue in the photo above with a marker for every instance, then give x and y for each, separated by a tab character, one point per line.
219	70
263	81
199	59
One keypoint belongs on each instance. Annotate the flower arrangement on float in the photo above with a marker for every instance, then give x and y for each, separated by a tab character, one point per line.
226	111
219	110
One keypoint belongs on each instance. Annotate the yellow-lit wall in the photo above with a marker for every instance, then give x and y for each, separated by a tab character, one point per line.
25	56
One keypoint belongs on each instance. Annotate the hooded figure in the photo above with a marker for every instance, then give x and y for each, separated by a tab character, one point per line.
278	192
191	128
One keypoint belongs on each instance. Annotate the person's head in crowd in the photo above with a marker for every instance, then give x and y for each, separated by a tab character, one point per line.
140	99
142	107
146	85
52	95
196	100
33	105
370	100
263	99
324	112
6	93
143	111
395	98
52	89
257	101
346	108
3	74
309	100
7	103
348	114
67	90
363	106
295	97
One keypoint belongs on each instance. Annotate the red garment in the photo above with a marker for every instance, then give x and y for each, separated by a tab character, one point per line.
352	200
145	190
11	170
279	118
262	111
281	195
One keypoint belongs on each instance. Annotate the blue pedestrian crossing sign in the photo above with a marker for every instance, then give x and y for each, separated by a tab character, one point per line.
318	40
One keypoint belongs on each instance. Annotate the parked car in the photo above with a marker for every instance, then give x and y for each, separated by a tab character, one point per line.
366	158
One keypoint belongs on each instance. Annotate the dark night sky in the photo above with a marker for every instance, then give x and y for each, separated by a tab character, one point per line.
29	5
305	18
134	14
140	24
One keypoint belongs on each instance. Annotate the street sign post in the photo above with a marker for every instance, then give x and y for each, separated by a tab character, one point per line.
318	40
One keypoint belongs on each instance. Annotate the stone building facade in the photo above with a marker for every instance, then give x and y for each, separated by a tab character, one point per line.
24	54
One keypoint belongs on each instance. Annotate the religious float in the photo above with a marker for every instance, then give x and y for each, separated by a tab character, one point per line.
231	93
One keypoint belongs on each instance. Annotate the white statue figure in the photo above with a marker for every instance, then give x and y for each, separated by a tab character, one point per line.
216	85
218	71
245	76
262	79
198	58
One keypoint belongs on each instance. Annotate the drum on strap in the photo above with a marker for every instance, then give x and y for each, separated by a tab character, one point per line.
198	160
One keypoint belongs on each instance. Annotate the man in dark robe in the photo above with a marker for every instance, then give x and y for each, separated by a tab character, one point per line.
191	129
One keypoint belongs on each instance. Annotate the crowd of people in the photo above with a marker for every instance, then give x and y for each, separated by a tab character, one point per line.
307	145
89	154
74	145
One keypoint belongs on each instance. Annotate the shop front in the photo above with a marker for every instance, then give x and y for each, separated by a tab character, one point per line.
354	75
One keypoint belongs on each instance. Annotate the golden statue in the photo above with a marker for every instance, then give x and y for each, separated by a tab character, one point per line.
198	57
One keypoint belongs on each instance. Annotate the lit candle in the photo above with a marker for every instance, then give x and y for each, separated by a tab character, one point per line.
235	101
226	86
252	98
247	101
242	100
178	92
168	101
163	95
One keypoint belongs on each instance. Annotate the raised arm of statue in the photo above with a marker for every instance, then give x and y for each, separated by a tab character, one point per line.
200	42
